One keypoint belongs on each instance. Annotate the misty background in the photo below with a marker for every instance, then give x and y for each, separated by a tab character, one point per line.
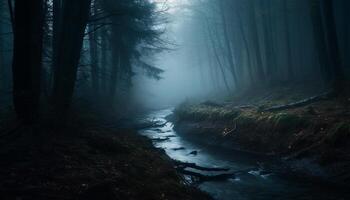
187	75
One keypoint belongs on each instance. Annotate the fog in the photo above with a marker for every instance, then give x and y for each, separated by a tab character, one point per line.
187	75
219	48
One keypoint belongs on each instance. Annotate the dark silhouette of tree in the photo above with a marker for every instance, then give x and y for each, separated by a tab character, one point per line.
75	16
27	57
333	47
326	40
94	51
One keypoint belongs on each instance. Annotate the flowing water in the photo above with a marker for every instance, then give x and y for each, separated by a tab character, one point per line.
260	177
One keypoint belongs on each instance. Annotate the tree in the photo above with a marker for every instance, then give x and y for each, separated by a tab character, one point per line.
270	61
94	52
103	61
2	57
56	25
27	57
246	46
319	37
256	42
346	26
327	43
333	46
75	16
131	34
228	45
290	69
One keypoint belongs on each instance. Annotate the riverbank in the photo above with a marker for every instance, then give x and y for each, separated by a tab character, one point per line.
88	158
313	138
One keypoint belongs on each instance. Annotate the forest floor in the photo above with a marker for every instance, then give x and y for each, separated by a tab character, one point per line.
88	158
313	138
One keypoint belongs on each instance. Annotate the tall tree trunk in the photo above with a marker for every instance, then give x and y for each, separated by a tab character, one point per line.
228	45
215	52
116	62
246	45
269	42
256	42
346	34
27	57
12	18
45	71
127	68
93	57
289	60
56	25
333	45
2	82
75	14
319	37
103	63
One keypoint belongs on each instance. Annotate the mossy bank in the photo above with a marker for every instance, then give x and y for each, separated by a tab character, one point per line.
307	137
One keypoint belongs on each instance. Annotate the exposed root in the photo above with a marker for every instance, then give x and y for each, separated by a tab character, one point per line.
245	107
204	178
300	103
198	177
183	165
227	131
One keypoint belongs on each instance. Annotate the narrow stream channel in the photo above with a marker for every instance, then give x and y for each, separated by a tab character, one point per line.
261	177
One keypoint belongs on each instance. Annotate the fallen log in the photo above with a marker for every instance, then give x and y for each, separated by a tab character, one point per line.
300	103
245	107
183	165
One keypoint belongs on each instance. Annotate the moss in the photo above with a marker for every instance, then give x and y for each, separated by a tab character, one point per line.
287	121
203	112
245	120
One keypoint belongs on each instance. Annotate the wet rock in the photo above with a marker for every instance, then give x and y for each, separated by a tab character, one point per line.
158	130
193	153
160	139
178	149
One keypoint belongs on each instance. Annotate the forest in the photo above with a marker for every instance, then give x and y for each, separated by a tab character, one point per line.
174	99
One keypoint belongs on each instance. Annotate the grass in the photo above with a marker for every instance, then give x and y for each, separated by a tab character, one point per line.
203	112
323	123
288	121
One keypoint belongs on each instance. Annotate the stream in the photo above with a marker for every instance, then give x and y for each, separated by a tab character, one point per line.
260	177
